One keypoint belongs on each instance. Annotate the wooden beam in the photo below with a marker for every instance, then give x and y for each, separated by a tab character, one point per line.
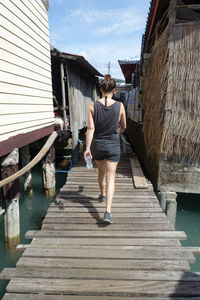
190	6
20	140
138	176
36	159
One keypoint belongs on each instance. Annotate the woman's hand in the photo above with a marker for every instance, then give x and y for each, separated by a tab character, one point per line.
87	152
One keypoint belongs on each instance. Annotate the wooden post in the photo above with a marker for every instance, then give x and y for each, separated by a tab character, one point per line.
75	143
10	192
63	95
171	206
168	204
48	168
25	159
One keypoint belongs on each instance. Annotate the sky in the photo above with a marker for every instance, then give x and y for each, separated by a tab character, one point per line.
102	31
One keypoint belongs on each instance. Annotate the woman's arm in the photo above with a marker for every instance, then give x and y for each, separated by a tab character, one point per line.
122	120
90	130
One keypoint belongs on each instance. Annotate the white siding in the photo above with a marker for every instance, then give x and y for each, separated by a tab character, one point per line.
25	71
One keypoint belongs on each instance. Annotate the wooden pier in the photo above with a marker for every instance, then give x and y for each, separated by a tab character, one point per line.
75	256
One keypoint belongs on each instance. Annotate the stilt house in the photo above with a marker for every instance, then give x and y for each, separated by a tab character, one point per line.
26	100
74	87
170	87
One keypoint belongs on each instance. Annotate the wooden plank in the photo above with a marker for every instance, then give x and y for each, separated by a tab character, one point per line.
119	234
104	287
131	196
190	6
89	220
73	297
138	176
164	254
97	215
49	262
140	226
62	273
76	204
22	247
120	210
105	241
83	179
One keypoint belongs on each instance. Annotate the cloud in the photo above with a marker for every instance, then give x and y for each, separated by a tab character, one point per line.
99	55
110	21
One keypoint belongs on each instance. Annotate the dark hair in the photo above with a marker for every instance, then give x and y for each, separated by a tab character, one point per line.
107	84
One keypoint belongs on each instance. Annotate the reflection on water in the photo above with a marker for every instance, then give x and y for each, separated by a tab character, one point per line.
32	212
188	220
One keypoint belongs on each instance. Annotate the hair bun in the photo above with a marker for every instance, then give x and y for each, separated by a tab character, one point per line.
107	77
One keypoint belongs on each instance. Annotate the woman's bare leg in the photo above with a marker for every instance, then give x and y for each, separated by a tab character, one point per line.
110	182
101	165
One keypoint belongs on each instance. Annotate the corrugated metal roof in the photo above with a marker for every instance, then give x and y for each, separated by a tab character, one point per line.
79	59
156	10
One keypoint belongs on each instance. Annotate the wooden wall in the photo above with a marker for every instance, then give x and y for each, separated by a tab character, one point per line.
25	71
82	90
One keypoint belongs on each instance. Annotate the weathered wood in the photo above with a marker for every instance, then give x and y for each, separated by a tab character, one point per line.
190	6
126	264
89	220
105	241
121	210
136	234
97	215
76	204
138	256
67	195
73	297
138	176
136	226
23	247
104	287
62	273
117	254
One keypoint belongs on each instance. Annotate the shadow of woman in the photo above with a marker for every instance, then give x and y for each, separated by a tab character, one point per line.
85	200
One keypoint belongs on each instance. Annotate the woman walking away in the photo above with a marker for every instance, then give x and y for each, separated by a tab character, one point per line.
106	120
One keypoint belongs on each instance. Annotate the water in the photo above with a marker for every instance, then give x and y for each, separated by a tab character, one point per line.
188	220
32	212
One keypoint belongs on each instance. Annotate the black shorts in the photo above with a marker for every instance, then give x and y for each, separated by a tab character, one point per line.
106	149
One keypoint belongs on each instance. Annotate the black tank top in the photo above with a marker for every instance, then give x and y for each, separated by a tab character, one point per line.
106	120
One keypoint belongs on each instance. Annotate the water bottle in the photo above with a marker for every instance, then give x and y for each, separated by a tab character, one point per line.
89	163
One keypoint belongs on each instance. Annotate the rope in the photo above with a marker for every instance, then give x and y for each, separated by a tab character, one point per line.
32	163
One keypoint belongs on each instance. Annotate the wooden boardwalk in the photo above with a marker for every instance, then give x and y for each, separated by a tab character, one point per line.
75	256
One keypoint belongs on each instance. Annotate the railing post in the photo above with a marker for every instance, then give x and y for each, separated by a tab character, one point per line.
25	159
9	166
168	204
48	170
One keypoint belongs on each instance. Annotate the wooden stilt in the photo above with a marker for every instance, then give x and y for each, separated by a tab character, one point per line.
10	193
171	206
25	159
48	168
75	143
168	204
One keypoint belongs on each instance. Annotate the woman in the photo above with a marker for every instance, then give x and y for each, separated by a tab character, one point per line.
106	120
